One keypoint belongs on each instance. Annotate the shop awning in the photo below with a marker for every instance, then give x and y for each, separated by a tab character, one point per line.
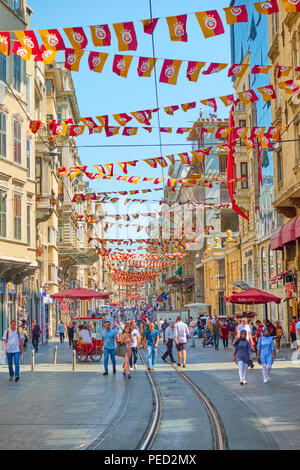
297	227
174	280
278	276
64	306
276	239
288	231
252	297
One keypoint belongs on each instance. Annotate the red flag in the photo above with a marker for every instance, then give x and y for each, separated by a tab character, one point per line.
148	129
145	67
214	67
28	40
186	106
77	37
88	121
267	7
122	118
291	6
5	43
237	70
283	71
141	117
210	23
126	36
170	109
52	39
129	131
97	61
121	64
236	14
177	27
45	55
247	96
182	130
268	92
73	58
34	126
112	130
21	51
149	25
76	130
101	35
169	71
193	70
103	120
257	132
261	69
210	102
227	100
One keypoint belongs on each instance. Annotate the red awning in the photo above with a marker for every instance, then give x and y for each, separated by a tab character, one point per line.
64	306
288	231
252	297
276	239
297	227
79	293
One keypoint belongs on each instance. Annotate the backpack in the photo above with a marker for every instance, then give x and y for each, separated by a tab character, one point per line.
7	333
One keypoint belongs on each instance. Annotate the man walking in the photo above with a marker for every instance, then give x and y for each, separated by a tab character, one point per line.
135	345
151	339
216	333
109	346
192	327
12	341
169	337
61	330
164	326
181	333
36	332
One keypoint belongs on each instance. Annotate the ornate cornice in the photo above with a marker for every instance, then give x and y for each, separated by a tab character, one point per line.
18	117
4	109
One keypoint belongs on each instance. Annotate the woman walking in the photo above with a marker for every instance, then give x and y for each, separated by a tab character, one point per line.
225	333
126	338
242	355
266	353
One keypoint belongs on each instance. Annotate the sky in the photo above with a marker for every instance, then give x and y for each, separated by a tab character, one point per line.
107	93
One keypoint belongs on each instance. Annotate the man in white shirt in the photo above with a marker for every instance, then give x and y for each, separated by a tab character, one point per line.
181	333
135	345
169	337
12	341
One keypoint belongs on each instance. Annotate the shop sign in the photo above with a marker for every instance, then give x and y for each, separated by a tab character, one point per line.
11	288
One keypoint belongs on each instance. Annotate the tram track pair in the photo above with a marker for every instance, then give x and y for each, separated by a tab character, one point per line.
219	437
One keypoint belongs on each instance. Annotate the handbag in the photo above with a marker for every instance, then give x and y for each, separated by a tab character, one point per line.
121	349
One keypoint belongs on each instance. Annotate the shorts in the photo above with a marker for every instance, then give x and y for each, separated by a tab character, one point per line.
181	346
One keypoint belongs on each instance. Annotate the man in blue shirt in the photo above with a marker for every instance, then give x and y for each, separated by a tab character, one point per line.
151	339
109	347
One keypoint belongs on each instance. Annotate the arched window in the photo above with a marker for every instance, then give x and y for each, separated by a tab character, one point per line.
272	270
263	269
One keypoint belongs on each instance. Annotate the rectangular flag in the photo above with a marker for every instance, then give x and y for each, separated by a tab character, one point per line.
222	132
267	7
214	67
149	25
95	130
161	161
101	35
76	130
274	132
237	70
257	132
145	66
151	161
103	120
265	142
268	92
237	14
193	70
60	129
45	55
227	100
111	130
126	36
28	40
247	96
239	132
141	117
73	58
186	106
121	64
210	23
177	28
170	109
249	142
283	71
291	6
76	37
169	71
129	131
122	118
52	39
261	69
289	86
97	61
5	43
21	51
184	157
210	102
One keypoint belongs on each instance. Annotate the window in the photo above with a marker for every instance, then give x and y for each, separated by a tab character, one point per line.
59	116
271	264
279	167
3	135
17	73
263	269
244	174
52	272
60	235
49	87
242	123
223	163
16	5
17	142
17	217
3	196
2	66
29	225
51	235
38	176
28	158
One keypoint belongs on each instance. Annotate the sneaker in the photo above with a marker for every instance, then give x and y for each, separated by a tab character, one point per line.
124	374
11	378
105	373
17	378
183	365
130	368
265	381
114	371
242	383
178	364
134	366
128	376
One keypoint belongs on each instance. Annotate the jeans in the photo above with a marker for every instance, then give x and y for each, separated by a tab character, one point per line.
216	340
16	357
61	337
111	353
151	352
71	337
225	342
134	352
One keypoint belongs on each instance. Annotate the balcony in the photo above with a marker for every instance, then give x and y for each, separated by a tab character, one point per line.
44	208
